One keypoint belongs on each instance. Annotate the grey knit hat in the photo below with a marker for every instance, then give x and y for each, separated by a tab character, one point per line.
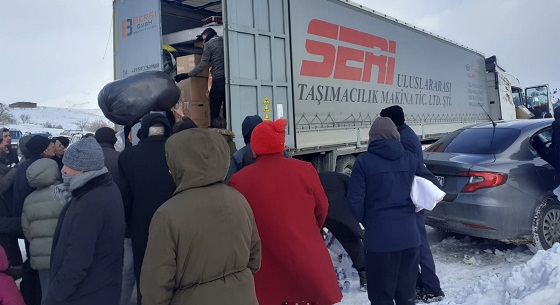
85	155
383	128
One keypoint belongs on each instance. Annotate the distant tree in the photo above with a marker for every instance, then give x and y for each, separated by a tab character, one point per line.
6	117
24	118
93	126
51	125
82	124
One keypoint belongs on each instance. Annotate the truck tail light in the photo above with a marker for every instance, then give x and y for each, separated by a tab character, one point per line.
479	180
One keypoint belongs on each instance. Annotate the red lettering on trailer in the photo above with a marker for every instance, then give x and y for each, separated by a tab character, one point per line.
336	56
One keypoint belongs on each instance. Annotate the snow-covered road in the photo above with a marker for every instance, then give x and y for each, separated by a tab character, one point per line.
483	272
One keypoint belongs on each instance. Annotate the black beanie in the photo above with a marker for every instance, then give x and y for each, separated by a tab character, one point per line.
63	140
37	144
395	113
249	123
105	135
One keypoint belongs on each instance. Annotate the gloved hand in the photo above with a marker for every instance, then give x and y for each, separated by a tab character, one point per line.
180	77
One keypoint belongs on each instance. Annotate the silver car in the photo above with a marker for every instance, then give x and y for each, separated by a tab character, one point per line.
498	186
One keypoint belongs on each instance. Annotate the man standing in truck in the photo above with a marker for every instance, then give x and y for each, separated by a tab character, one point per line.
212	54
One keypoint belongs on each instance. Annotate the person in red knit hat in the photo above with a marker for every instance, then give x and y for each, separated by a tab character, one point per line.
290	207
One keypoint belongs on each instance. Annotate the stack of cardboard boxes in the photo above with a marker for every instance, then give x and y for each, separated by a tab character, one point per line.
194	98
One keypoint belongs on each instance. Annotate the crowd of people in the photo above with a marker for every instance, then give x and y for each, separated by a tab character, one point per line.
185	217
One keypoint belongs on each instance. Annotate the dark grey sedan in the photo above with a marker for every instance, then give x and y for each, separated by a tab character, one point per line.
498	186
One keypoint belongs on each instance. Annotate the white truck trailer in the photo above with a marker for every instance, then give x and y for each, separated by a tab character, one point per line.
328	66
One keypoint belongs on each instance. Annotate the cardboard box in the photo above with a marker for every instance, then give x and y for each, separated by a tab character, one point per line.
199	112
189	62
193	89
521	112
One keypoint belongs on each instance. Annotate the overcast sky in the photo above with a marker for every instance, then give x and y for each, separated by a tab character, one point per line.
59	52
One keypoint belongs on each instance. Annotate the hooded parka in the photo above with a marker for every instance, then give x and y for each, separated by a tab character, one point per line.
290	208
41	211
203	245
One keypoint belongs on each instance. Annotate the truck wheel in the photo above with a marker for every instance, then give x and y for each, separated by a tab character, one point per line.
546	224
345	164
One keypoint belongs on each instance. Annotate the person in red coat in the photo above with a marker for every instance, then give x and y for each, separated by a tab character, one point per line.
9	293
290	207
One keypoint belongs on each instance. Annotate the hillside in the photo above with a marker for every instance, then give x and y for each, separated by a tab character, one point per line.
55	120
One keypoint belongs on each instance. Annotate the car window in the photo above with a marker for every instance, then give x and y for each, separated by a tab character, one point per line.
476	141
541	139
15	134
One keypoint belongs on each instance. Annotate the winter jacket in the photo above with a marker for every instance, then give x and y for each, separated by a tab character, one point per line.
379	196
145	184
41	211
111	157
10	224
9	293
21	187
290	207
87	252
212	54
336	186
411	143
228	136
203	246
12	157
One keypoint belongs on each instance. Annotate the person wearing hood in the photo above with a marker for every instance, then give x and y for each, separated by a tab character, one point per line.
428	284
236	163
145	183
203	246
40	216
379	198
290	208
9	293
87	254
212	54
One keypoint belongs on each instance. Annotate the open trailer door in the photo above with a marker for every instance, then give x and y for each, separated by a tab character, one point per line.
136	37
257	59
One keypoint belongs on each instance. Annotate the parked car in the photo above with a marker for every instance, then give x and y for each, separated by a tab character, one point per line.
15	135
497	185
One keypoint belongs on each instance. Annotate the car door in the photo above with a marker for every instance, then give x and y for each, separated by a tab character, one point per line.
545	159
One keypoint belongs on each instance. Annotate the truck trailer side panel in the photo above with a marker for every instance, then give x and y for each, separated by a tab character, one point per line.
348	64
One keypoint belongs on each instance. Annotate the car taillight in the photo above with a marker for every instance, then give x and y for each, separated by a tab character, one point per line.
479	180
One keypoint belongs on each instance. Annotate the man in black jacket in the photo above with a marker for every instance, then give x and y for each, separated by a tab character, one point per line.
10	224
12	155
86	262
342	224
145	183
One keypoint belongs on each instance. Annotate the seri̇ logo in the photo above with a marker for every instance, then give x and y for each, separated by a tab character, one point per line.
336	56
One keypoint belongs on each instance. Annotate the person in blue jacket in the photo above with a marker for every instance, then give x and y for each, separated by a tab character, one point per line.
379	198
428	284
87	250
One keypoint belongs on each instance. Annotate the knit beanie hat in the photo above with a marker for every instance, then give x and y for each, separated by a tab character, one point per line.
395	113
37	144
63	140
269	137
105	135
383	128
249	123
85	155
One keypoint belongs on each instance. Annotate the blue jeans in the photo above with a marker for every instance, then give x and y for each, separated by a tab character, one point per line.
128	278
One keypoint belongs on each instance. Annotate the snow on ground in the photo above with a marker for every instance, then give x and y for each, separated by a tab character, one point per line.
66	118
476	271
472	271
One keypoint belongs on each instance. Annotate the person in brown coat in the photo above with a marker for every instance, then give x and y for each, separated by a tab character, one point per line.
203	245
